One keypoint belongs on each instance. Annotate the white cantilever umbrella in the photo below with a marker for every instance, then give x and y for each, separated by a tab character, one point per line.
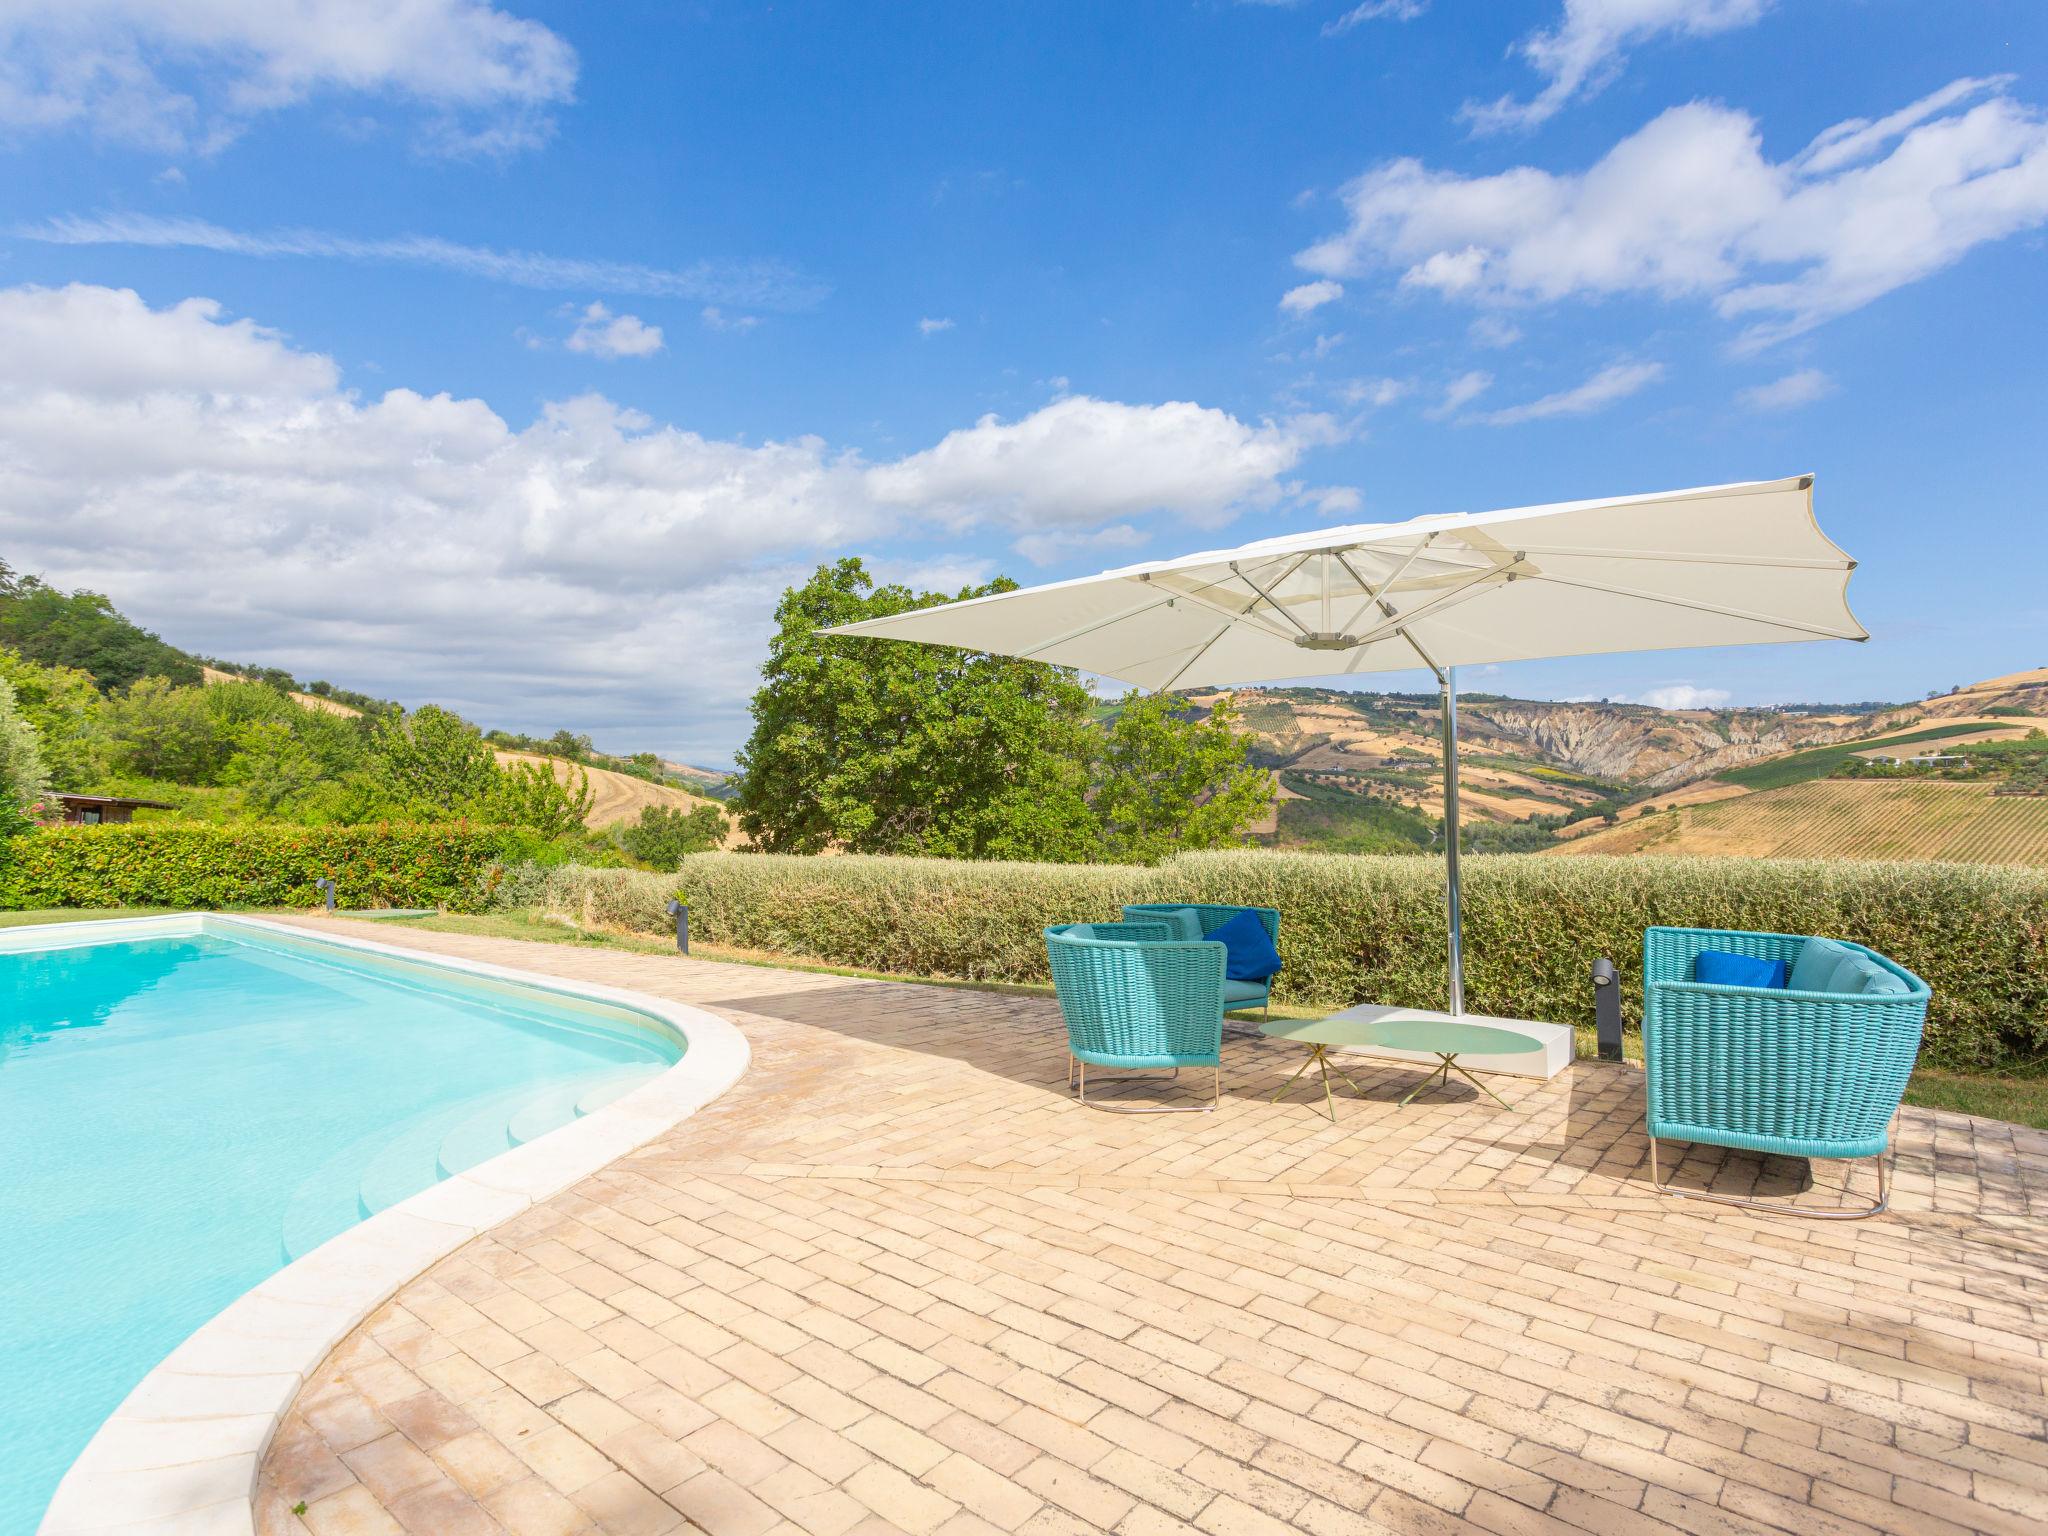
1737	564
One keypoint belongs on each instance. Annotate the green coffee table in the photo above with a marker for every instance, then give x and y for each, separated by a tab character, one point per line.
1446	1039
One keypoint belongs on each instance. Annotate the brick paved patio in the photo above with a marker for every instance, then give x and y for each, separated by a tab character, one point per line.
896	1281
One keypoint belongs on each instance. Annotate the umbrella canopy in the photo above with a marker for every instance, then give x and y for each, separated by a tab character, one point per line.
1741	564
1724	565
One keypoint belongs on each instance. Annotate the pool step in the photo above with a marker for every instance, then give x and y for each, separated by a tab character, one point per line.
562	1103
480	1135
379	1170
328	1200
406	1163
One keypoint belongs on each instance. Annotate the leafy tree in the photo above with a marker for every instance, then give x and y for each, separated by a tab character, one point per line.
163	731
68	714
432	758
883	748
529	795
83	630
664	833
879	747
24	782
274	765
1166	781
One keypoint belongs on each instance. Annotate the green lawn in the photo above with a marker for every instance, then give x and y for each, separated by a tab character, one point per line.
2022	1100
74	915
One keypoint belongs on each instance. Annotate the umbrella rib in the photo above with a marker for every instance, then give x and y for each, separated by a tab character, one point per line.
1090	628
1224	629
1395	621
1200	651
1683	557
1699	607
1235	616
1267	596
1371	596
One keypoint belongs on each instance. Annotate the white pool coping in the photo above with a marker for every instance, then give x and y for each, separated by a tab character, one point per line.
181	1454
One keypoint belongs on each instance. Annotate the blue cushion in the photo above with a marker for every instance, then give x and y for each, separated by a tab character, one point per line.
1816	963
1185	922
1719	968
1237	993
1252	956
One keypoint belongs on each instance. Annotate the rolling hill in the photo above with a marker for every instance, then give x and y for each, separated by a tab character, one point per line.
1361	772
1843	819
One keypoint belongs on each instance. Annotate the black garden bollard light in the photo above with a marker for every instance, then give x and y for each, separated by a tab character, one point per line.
681	913
1607	1008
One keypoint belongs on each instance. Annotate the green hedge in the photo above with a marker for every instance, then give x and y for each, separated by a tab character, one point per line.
1354	928
166	864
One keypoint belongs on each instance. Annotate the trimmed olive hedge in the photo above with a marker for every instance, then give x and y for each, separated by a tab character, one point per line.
1374	927
168	864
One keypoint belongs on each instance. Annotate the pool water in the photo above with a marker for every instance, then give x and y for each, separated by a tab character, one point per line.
180	1117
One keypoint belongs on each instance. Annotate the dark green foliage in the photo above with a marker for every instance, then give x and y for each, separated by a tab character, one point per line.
1336	821
1373	929
664	834
882	747
165	864
1820	762
82	630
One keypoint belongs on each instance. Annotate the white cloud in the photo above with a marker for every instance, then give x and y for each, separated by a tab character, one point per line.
1372	393
1689	208
592	567
1585	50
1461	392
1091	461
1493	331
1615	382
1326	343
1310	296
1680	696
604	334
1793	390
174	76
716	319
1375	10
1051	544
931	327
763	285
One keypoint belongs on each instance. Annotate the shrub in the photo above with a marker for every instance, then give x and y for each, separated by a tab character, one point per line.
171	864
1356	928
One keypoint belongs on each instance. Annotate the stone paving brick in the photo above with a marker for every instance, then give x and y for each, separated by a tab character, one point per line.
895	1280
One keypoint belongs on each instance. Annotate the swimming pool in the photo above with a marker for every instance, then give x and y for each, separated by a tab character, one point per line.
184	1113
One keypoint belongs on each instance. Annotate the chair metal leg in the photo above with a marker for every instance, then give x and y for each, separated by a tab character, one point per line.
1211	1107
1787	1208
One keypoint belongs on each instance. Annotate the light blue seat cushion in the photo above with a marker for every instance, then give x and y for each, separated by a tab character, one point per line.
1185	922
1816	964
1870	979
1237	993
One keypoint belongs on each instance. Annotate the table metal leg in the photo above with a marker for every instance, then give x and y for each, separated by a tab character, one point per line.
1441	1078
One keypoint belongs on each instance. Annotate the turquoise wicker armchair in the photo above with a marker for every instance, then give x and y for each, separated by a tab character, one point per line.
1236	994
1135	998
1802	1074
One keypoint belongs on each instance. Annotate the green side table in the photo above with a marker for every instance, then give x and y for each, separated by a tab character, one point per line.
1445	1038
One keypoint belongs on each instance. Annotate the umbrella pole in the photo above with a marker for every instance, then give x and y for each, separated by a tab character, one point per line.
1448	676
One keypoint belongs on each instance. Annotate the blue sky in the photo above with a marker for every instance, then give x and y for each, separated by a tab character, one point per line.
516	355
